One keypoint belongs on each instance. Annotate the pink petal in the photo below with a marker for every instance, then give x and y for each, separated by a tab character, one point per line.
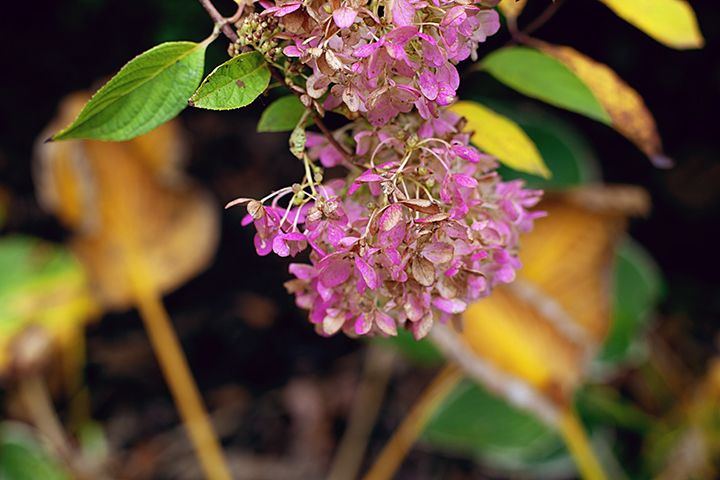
367	272
465	180
391	217
466	153
344	17
506	274
403	13
302	270
366	50
439	252
386	324
363	324
454	305
428	84
336	272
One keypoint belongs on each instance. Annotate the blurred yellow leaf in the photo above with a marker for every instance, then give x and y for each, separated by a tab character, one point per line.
543	329
112	193
42	285
500	137
628	113
670	22
512	8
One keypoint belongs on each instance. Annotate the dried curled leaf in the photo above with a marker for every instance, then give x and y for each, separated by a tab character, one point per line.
423	271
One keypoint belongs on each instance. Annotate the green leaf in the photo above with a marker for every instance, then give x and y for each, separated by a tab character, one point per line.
282	115
148	91
565	150
24	457
638	289
234	84
535	74
473	421
42	284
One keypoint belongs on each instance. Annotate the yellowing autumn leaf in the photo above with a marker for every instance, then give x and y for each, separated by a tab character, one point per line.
628	113
537	334
500	137
670	22
112	193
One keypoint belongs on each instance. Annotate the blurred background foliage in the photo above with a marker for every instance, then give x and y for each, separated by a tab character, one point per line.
282	394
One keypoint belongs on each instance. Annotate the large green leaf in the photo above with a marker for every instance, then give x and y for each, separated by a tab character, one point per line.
537	75
638	287
282	115
148	91
24	457
476	423
234	84
565	150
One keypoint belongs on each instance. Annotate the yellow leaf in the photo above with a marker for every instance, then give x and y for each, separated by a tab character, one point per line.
512	8
628	113
544	328
109	192
500	137
670	22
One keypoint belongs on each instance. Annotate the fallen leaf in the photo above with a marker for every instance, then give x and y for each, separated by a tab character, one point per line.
110	192
670	22
531	341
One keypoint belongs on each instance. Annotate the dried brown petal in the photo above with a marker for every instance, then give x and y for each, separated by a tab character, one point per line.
333	61
331	325
421	205
423	271
390	217
295	285
422	328
256	210
239	201
438	217
447	287
295	21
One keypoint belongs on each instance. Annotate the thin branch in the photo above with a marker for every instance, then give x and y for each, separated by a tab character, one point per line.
328	134
543	18
363	414
220	20
316	118
414	423
522	36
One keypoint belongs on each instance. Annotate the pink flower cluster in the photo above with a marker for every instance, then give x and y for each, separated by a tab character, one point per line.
423	229
383	58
